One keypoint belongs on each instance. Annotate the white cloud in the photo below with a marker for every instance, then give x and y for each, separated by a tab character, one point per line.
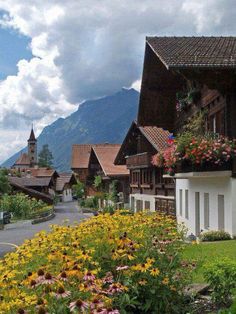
11	141
88	48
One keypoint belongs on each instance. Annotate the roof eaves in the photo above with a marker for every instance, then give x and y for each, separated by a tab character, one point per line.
148	138
99	161
162	60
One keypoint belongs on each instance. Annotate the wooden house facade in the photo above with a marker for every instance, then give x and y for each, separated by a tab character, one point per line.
90	160
183	76
148	189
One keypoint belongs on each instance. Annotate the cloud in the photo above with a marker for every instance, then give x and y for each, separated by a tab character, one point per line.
87	48
11	141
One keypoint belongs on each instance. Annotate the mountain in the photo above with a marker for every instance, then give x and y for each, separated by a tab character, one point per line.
96	121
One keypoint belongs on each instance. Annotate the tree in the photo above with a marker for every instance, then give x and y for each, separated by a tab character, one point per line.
4	183
45	157
78	189
98	182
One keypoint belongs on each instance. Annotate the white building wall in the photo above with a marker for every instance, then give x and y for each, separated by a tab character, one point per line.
225	186
67	195
142	197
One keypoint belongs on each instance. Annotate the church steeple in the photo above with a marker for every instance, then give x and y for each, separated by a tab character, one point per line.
32	136
32	148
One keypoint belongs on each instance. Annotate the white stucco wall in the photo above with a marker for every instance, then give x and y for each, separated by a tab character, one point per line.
225	186
67	195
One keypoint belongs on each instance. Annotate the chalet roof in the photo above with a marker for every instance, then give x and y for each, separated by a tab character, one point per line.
157	137
63	179
106	154
23	160
32	193
181	52
80	156
42	172
32	136
29	182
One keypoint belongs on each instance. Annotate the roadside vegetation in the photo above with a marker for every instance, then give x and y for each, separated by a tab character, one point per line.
22	206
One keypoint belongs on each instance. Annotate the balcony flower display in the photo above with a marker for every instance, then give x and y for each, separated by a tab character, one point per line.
199	153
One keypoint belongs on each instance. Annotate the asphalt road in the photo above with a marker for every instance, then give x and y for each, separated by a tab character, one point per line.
16	233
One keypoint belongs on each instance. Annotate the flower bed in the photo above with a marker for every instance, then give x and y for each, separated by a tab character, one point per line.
197	154
108	264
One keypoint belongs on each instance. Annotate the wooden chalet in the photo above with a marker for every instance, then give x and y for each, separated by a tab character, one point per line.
80	161
148	189
64	185
43	185
182	76
204	68
101	163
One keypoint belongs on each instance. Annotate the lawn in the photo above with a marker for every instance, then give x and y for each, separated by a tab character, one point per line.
208	251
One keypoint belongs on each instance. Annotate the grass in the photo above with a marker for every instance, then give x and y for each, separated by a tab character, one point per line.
206	252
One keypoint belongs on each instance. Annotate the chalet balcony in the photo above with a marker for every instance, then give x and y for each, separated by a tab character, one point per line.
142	160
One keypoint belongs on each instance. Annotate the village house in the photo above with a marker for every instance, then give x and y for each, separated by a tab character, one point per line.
148	189
80	161
89	161
181	77
64	184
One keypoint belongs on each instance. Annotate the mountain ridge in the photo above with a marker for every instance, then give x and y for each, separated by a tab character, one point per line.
105	119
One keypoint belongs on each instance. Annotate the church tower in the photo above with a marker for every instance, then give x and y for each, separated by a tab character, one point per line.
32	149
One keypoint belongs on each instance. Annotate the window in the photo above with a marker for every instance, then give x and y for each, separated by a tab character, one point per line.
135	178
206	211
186	205
158	176
146	176
147	205
139	205
216	122
221	212
180	202
197	213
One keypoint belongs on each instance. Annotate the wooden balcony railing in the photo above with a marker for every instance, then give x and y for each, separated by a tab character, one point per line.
139	161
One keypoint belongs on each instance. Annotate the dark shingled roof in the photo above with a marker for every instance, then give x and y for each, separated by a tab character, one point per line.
32	181
32	136
179	52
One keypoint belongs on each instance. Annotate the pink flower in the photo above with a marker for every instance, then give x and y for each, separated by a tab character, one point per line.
61	293
89	276
114	288
78	305
48	279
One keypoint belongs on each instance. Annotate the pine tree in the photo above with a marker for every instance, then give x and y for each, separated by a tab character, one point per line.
45	157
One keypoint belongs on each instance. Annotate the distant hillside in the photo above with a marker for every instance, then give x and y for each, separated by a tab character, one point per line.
96	121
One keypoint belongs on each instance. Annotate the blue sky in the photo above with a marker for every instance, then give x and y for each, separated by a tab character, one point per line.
13	47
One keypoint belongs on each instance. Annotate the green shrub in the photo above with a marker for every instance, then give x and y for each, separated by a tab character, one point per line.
215	236
221	275
90	202
20	205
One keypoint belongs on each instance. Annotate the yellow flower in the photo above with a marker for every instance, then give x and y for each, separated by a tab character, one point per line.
154	272
165	281
142	282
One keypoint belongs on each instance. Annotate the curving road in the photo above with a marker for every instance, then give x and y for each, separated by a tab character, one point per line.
15	233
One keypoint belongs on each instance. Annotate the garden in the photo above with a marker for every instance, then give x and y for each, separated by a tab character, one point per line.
119	263
21	206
